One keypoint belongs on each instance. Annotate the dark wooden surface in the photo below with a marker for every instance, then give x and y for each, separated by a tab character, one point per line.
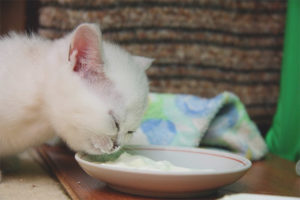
273	175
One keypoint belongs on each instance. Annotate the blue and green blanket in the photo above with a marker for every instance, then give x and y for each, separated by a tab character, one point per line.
187	120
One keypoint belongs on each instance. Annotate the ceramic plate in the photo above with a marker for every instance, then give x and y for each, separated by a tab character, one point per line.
212	169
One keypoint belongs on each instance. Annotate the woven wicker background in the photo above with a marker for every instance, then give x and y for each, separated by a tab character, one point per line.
202	47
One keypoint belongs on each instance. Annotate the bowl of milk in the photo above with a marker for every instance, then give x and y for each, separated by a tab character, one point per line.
161	171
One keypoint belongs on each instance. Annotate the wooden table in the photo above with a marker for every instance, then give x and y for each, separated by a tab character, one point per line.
273	175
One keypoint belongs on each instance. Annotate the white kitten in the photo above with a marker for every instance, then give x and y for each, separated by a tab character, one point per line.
89	92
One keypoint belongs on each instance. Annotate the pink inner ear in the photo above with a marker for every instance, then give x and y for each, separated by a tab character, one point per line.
86	43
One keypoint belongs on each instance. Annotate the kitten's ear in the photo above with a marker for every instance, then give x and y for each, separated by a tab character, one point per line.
85	52
143	62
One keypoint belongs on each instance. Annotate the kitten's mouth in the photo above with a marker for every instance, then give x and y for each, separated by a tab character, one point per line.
116	146
104	144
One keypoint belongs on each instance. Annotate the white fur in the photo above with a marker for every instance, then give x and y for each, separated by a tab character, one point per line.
41	96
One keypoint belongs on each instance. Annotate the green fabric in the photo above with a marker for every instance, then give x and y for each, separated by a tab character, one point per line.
283	138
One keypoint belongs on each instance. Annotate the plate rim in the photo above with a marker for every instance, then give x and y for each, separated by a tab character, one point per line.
246	163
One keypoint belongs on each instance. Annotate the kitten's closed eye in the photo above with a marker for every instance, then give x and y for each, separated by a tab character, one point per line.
130	132
117	124
115	120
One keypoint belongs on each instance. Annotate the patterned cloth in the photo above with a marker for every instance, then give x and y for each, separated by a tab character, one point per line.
187	120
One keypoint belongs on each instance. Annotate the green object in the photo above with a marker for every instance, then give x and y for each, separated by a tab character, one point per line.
104	157
283	138
188	120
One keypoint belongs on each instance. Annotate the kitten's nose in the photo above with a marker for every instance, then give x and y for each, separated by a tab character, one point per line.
123	139
120	139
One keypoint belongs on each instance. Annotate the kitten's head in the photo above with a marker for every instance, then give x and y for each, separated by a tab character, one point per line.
115	92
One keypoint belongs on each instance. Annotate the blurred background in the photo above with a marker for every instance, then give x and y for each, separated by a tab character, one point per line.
18	15
201	47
